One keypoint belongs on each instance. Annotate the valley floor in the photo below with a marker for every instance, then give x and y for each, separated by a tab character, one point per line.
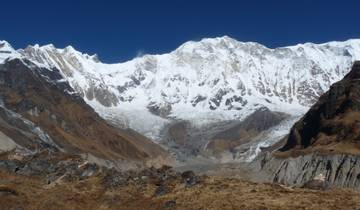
22	192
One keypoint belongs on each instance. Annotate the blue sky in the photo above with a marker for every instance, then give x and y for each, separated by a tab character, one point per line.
119	30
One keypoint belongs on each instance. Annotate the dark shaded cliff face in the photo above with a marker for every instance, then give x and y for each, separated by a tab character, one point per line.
332	125
44	98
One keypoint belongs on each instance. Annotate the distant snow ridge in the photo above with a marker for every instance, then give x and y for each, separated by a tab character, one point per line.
207	81
6	51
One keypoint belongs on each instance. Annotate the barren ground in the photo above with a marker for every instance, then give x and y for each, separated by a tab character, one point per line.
19	192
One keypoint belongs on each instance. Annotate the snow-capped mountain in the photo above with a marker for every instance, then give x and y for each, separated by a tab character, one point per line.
212	80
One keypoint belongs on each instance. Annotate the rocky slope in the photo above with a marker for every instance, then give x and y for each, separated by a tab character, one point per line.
333	123
244	132
39	110
202	84
325	141
339	170
58	181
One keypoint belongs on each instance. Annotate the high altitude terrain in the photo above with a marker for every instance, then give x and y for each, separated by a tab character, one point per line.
66	139
59	181
187	98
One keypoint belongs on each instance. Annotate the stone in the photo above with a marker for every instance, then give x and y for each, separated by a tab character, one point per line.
189	178
114	179
161	190
89	170
10	165
170	204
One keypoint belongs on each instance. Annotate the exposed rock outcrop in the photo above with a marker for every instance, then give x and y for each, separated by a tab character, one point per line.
339	170
325	141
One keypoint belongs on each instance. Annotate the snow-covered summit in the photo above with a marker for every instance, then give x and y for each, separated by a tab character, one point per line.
6	51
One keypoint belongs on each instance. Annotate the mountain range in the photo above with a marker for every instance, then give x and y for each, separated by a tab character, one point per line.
210	85
217	124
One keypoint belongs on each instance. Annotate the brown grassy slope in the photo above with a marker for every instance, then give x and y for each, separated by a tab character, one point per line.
69	121
213	193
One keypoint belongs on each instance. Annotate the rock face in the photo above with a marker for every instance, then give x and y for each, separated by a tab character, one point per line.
340	170
39	109
325	141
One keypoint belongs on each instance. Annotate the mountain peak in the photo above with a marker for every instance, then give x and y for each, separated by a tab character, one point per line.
94	57
41	47
6	51
5	45
49	46
70	49
52	47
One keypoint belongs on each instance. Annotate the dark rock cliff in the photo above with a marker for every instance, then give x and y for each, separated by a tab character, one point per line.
333	123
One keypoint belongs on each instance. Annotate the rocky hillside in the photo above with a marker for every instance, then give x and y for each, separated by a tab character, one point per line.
325	141
39	110
332	125
58	181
